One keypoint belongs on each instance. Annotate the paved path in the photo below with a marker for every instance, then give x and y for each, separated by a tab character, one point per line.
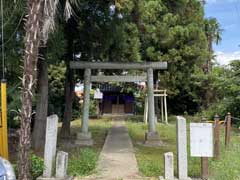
117	159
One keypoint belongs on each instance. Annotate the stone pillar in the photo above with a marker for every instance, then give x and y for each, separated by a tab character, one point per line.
84	137
61	165
168	166
86	102
50	147
151	137
182	148
151	109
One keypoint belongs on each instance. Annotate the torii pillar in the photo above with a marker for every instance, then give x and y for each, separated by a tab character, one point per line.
152	137
84	138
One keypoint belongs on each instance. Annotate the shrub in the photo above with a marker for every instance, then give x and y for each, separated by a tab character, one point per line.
37	166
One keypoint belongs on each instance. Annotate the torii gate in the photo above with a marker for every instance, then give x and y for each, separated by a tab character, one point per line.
151	137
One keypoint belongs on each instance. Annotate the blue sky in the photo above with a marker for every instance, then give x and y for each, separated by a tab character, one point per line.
228	14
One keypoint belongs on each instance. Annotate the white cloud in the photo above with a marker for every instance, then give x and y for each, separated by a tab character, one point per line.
218	1
224	58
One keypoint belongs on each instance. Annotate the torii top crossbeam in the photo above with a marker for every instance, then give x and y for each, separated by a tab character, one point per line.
117	65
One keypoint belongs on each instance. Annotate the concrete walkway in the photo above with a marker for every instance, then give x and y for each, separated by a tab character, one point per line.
117	159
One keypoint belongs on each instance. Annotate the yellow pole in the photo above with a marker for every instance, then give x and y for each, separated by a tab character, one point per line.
4	118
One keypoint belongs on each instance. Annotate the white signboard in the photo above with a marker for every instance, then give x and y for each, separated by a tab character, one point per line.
201	139
98	94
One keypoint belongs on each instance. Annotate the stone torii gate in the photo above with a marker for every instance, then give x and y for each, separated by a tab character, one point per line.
151	137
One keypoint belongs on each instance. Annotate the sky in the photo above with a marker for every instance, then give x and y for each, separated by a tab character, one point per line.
227	13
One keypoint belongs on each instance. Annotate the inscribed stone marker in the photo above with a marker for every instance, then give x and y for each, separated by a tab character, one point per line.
61	164
168	166
182	148
50	145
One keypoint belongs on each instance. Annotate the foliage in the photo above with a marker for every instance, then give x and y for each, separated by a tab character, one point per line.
82	163
37	166
56	88
226	86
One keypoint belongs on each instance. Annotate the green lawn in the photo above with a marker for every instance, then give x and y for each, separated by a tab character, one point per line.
150	159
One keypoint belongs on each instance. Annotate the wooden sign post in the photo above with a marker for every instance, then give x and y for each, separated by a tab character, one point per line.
216	137
228	130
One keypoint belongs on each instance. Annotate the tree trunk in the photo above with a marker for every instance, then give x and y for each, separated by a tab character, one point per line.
69	30
42	106
69	97
32	42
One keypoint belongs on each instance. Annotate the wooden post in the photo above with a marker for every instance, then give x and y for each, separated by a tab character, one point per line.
204	162
216	137
162	113
165	107
204	168
228	129
145	109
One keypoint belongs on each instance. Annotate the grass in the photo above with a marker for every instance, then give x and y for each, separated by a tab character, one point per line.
83	160
228	166
150	159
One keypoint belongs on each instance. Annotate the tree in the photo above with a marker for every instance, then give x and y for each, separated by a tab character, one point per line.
32	42
213	33
42	103
40	22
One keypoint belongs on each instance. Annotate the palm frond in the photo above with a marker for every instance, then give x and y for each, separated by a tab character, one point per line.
50	9
68	11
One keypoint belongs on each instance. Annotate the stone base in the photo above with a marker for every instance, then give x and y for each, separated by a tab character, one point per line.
152	139
54	178
162	178
84	139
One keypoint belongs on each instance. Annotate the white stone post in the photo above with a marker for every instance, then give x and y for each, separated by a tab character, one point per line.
182	162
50	145
61	165
168	166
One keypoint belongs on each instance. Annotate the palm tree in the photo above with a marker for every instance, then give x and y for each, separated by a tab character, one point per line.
40	21
213	33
